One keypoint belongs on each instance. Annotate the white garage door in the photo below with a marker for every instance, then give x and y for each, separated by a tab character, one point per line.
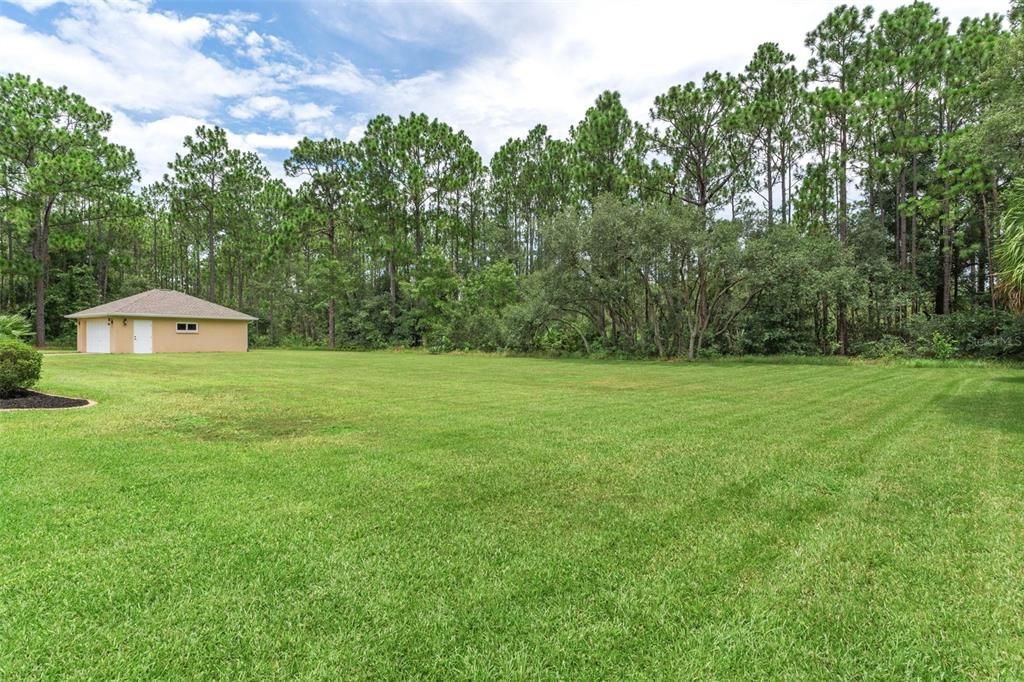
97	336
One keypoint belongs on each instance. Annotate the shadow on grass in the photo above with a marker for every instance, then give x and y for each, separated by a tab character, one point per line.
1000	407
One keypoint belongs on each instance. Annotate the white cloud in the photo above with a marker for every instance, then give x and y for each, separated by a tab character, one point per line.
228	33
341	77
148	68
127	58
307	119
276	107
355	133
518	64
272	106
33	5
155	143
387	24
258	141
565	54
255	46
310	111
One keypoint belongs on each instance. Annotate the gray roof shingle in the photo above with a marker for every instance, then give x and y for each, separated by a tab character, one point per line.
163	303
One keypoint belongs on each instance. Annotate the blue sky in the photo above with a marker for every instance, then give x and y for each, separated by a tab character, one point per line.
270	72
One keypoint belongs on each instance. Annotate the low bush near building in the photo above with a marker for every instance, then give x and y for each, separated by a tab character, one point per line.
20	366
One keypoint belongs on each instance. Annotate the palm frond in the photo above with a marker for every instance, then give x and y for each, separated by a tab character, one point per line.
1010	250
14	327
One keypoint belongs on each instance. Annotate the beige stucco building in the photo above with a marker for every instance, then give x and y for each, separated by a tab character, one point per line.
161	321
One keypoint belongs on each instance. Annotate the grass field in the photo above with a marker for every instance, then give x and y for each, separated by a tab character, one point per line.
399	515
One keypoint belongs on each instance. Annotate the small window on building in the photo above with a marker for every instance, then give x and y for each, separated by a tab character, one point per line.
187	327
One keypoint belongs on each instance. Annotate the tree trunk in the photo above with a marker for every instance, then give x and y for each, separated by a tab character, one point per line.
841	334
332	237
768	169
419	233
947	258
212	257
843	202
844	226
40	309
957	266
901	224
824	324
782	181
41	249
913	239
331	323
392	282
988	253
983	259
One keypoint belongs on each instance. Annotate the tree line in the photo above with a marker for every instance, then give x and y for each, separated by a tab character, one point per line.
852	204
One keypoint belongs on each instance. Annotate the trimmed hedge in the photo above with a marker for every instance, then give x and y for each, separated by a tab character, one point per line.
20	366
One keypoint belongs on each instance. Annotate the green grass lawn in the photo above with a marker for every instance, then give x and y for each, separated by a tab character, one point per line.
401	515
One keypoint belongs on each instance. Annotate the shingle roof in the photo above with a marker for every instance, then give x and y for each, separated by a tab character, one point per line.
163	303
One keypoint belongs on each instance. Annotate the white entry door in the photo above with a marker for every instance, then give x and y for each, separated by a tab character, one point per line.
143	330
97	336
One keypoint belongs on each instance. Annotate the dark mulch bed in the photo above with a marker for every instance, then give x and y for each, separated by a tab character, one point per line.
31	400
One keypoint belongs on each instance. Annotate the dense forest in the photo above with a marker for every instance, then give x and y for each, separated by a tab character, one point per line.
866	202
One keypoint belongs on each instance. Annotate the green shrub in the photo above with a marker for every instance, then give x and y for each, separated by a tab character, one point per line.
886	348
709	353
939	346
554	340
976	332
20	365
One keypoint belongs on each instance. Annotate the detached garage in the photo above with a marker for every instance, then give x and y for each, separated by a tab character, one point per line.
161	321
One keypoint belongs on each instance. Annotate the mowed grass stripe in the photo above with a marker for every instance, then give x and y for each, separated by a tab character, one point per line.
382	515
752	633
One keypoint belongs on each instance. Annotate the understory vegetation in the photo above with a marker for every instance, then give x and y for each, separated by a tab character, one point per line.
866	202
